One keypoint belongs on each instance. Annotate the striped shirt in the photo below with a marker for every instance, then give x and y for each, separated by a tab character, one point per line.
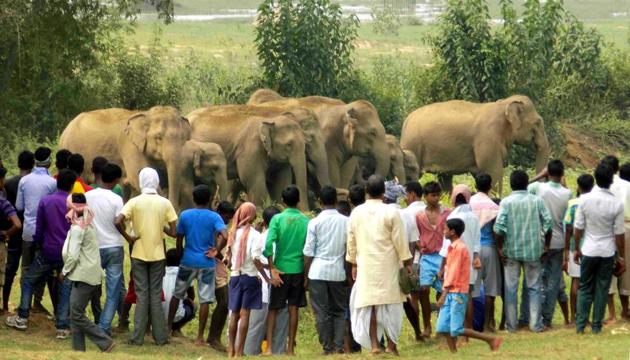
326	244
522	220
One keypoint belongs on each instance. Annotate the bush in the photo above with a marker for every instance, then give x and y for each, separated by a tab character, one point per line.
385	20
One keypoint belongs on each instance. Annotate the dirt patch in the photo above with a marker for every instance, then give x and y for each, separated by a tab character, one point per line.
582	150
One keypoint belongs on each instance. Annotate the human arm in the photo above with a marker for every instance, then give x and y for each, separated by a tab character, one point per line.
477	247
401	244
120	226
500	230
221	243
272	238
547	223
40	224
171	229
310	247
620	238
10	213
579	225
179	245
19	200
568	232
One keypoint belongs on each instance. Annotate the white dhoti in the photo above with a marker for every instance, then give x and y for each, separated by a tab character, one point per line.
389	318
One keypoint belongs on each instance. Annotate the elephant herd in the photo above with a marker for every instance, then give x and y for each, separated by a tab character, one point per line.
272	141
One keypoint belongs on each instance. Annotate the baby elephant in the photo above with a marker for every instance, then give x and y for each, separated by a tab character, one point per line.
204	163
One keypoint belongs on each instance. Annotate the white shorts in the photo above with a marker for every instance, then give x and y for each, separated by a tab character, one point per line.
573	268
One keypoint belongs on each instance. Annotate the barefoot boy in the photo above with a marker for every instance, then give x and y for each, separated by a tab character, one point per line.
454	296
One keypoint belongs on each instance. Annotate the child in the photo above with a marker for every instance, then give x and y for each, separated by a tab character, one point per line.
185	310
430	222
454	296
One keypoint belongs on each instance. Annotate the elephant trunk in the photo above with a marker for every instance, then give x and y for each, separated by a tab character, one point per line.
398	168
542	148
298	164
319	160
380	152
221	182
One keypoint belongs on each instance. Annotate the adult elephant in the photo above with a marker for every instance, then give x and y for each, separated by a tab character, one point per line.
258	149
133	140
350	131
456	136
412	171
204	163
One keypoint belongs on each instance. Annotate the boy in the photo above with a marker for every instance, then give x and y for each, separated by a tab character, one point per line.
430	222
199	226
584	186
185	311
98	164
452	302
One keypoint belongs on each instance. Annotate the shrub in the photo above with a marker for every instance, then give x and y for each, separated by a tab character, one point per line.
385	20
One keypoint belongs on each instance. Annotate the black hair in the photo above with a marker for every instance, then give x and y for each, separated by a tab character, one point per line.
460	199
328	195
432	187
604	174
291	196
586	182
356	195
26	160
612	161
269	213
555	168
110	173
483	182
624	171
226	208
61	158
375	186
201	195
65	180
456	225
3	172
42	153
343	207
76	163
98	164
172	259
414	187
79	198
519	180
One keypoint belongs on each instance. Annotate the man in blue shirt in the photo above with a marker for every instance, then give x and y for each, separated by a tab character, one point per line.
199	226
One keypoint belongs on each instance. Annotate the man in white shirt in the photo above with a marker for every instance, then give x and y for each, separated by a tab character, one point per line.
106	205
556	198
324	253
599	220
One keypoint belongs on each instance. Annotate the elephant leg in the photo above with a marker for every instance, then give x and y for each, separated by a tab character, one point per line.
446	181
348	170
488	162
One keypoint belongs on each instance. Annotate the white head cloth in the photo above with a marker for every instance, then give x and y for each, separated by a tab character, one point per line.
149	181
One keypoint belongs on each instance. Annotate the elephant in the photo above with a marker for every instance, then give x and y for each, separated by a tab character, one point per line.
259	150
457	136
133	140
262	96
396	168
412	171
204	163
350	131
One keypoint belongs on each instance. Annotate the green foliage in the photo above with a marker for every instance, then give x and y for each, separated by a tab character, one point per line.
305	47
386	20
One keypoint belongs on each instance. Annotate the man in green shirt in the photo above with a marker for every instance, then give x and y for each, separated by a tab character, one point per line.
287	232
98	164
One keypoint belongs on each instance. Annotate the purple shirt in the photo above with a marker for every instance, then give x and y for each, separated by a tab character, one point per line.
6	209
52	227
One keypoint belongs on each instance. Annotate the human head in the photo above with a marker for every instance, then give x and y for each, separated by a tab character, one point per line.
65	180
78	198
111	173
61	159
226	211
98	164
268	214
393	192
432	193
26	160
76	163
585	183
460	195
149	180
171	257
291	196
343	207
519	180
611	161
604	175
454	228
356	195
328	196
413	189
483	182
624	171
42	157
3	174
555	169
201	195
375	186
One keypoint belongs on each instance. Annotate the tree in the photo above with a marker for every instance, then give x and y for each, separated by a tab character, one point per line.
305	47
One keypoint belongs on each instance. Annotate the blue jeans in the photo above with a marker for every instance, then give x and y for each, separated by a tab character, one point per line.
532	271
112	261
37	273
551	276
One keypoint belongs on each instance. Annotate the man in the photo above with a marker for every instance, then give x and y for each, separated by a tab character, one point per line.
486	211
356	195
149	213
76	163
50	233
521	219
31	189
288	232
376	248
10	224
599	220
556	198
26	161
98	164
61	159
106	205
324	253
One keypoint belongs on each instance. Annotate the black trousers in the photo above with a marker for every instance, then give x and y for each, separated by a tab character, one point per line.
329	300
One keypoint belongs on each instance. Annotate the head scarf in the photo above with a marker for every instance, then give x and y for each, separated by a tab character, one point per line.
243	218
149	181
463	190
44	163
73	217
394	191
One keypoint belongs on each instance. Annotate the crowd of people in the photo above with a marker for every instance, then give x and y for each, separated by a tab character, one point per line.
365	262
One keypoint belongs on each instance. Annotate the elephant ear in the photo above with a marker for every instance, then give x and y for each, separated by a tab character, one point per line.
513	115
350	127
136	130
266	135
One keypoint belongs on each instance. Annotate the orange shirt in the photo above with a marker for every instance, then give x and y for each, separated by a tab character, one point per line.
457	271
